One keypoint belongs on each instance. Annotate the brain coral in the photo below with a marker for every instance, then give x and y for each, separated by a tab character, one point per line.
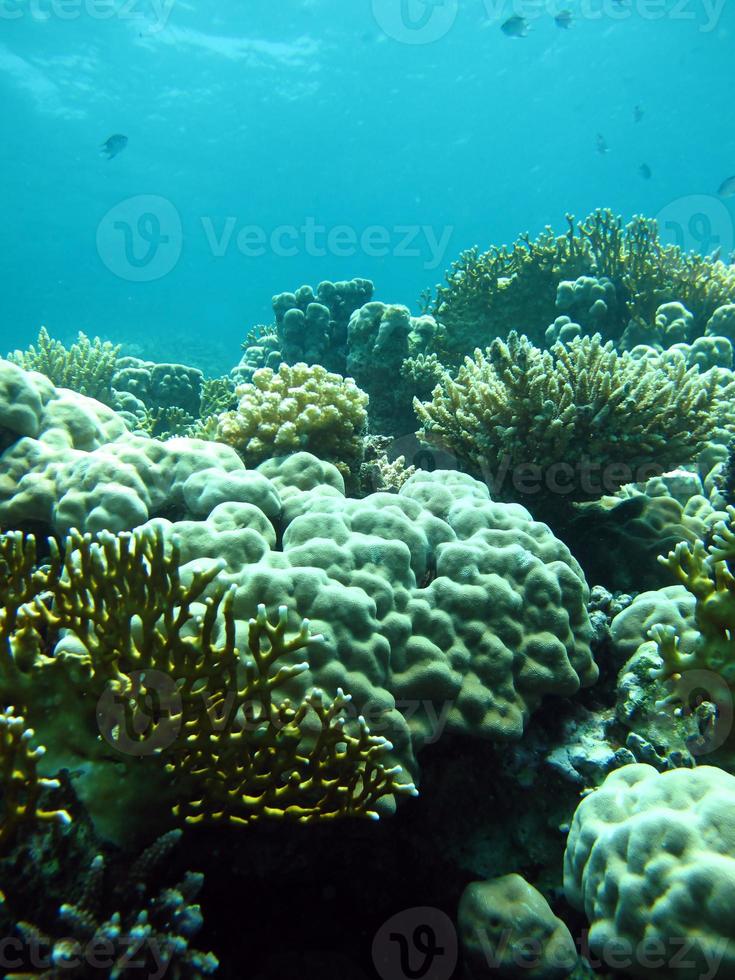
461	611
651	861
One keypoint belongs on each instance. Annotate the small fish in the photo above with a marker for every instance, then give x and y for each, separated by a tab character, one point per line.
638	113
515	27
601	144
716	255
564	19
645	171
114	145
727	188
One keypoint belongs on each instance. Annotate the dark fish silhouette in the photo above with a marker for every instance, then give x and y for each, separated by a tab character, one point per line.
645	171
601	144
638	113
564	19
515	27
727	188
114	145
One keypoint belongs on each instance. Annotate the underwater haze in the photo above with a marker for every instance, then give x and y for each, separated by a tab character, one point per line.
271	145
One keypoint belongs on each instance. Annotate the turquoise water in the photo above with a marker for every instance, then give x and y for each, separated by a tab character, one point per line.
291	122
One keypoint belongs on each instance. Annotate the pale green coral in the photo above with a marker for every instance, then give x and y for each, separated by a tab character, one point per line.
88	366
380	339
297	408
650	859
598	418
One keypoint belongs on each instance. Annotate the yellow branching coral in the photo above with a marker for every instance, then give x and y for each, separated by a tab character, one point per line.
113	621
87	366
271	759
20	784
20	581
296	408
704	572
598	417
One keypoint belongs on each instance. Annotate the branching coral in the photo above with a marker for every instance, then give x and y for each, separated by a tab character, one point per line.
87	366
218	395
704	572
585	418
126	929
297	408
272	759
134	634
20	784
486	293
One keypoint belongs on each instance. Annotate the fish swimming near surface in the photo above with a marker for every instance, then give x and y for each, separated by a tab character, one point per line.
114	145
601	144
564	19
638	113
645	171
515	27
727	188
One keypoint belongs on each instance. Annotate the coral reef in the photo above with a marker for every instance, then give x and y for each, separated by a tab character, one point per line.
387	336
113	629
251	613
517	287
511	917
650	861
88	366
119	923
571	423
297	408
20	784
312	326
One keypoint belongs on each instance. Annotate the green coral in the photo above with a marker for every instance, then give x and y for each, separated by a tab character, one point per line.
380	340
578	420
296	408
518	286
88	366
20	783
264	762
218	395
113	623
705	573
